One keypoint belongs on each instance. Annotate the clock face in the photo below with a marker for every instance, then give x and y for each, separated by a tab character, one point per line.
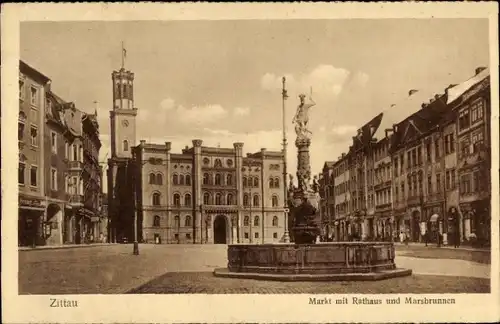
125	123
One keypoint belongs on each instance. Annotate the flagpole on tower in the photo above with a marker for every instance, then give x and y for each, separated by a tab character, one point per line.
124	54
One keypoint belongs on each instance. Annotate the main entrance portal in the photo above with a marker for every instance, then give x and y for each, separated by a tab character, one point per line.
220	230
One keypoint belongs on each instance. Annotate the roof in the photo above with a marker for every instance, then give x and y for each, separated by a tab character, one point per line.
458	90
26	69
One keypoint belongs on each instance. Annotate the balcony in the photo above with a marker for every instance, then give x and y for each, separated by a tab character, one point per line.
75	165
474	158
383	207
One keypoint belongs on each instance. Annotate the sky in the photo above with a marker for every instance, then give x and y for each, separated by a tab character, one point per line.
220	81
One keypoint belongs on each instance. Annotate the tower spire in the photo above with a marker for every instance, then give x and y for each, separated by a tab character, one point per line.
124	55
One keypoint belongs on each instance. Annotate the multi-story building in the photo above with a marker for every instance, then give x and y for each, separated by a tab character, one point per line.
51	200
327	194
342	197
472	103
32	205
200	195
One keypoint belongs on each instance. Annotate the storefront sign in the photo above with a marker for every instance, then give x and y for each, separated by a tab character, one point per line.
30	202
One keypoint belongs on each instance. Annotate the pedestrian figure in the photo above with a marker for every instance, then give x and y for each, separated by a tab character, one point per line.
457	240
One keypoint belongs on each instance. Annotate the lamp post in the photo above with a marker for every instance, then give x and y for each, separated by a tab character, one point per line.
286	235
134	189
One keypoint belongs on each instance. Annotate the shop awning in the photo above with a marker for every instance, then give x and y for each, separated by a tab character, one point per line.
434	218
94	219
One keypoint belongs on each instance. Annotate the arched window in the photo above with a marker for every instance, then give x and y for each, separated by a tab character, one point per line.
230	199
256	182
275	201
245	181
276	182
218	163
181	179
125	145
218	199
156	221
245	200
177	200
206	179
217	179
229	180
246	221
156	199
250	181
187	221
256	221
188	180
275	221
152	178
256	200
159	179
175	179
271	183
187	200
206	198
177	221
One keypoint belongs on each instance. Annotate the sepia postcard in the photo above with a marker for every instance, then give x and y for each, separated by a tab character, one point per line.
252	162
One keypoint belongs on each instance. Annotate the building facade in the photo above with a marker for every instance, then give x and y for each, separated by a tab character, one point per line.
425	169
51	164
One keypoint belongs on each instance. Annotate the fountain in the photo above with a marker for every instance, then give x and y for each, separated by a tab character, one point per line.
305	259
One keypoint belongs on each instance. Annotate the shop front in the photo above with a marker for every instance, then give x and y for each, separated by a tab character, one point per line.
453	226
477	222
30	221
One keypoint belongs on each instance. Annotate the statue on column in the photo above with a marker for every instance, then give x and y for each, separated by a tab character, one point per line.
301	117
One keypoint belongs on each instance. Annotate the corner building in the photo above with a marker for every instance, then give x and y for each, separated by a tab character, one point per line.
200	195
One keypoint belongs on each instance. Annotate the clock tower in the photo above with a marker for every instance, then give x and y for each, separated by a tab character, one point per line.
123	115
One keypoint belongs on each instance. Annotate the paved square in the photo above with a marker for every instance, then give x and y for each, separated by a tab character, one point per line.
113	269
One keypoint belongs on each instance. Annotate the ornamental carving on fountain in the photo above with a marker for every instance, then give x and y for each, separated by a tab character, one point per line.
304	197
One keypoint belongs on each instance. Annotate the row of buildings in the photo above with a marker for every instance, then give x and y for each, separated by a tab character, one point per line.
420	167
199	195
59	172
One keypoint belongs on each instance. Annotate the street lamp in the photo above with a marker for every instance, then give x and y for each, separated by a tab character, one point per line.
286	235
135	191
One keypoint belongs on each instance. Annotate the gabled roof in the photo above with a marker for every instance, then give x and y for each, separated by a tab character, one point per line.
458	90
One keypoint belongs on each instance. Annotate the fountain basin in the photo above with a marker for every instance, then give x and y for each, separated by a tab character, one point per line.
340	261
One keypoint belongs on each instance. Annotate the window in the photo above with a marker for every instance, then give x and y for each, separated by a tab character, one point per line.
465	184
409	159
245	200
156	199
276	182
187	200
218	163
152	178
125	145
177	222
414	157
275	201
206	179
21	173
181	179
438	182
275	220
256	235
206	198
463	119
477	111
159	179
476	181
188	180
477	141
229	180
453	179
246	221
451	142
448	179
218	199
245	184
34	176
271	183
464	146
75	152
177	200
419	152
188	236
246	235
21	89
187	221
396	167
53	179
275	235
34	96
156	221
20	130
230	200
256	182
436	149
256	221
175	179
217	179
256	200
34	135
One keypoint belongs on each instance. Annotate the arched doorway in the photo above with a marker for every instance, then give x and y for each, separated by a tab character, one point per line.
415	226
220	230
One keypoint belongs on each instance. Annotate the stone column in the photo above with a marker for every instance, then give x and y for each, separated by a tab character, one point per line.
197	181
238	148
303	163
168	191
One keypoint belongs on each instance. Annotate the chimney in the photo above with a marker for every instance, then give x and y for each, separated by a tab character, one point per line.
480	69
186	147
448	88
